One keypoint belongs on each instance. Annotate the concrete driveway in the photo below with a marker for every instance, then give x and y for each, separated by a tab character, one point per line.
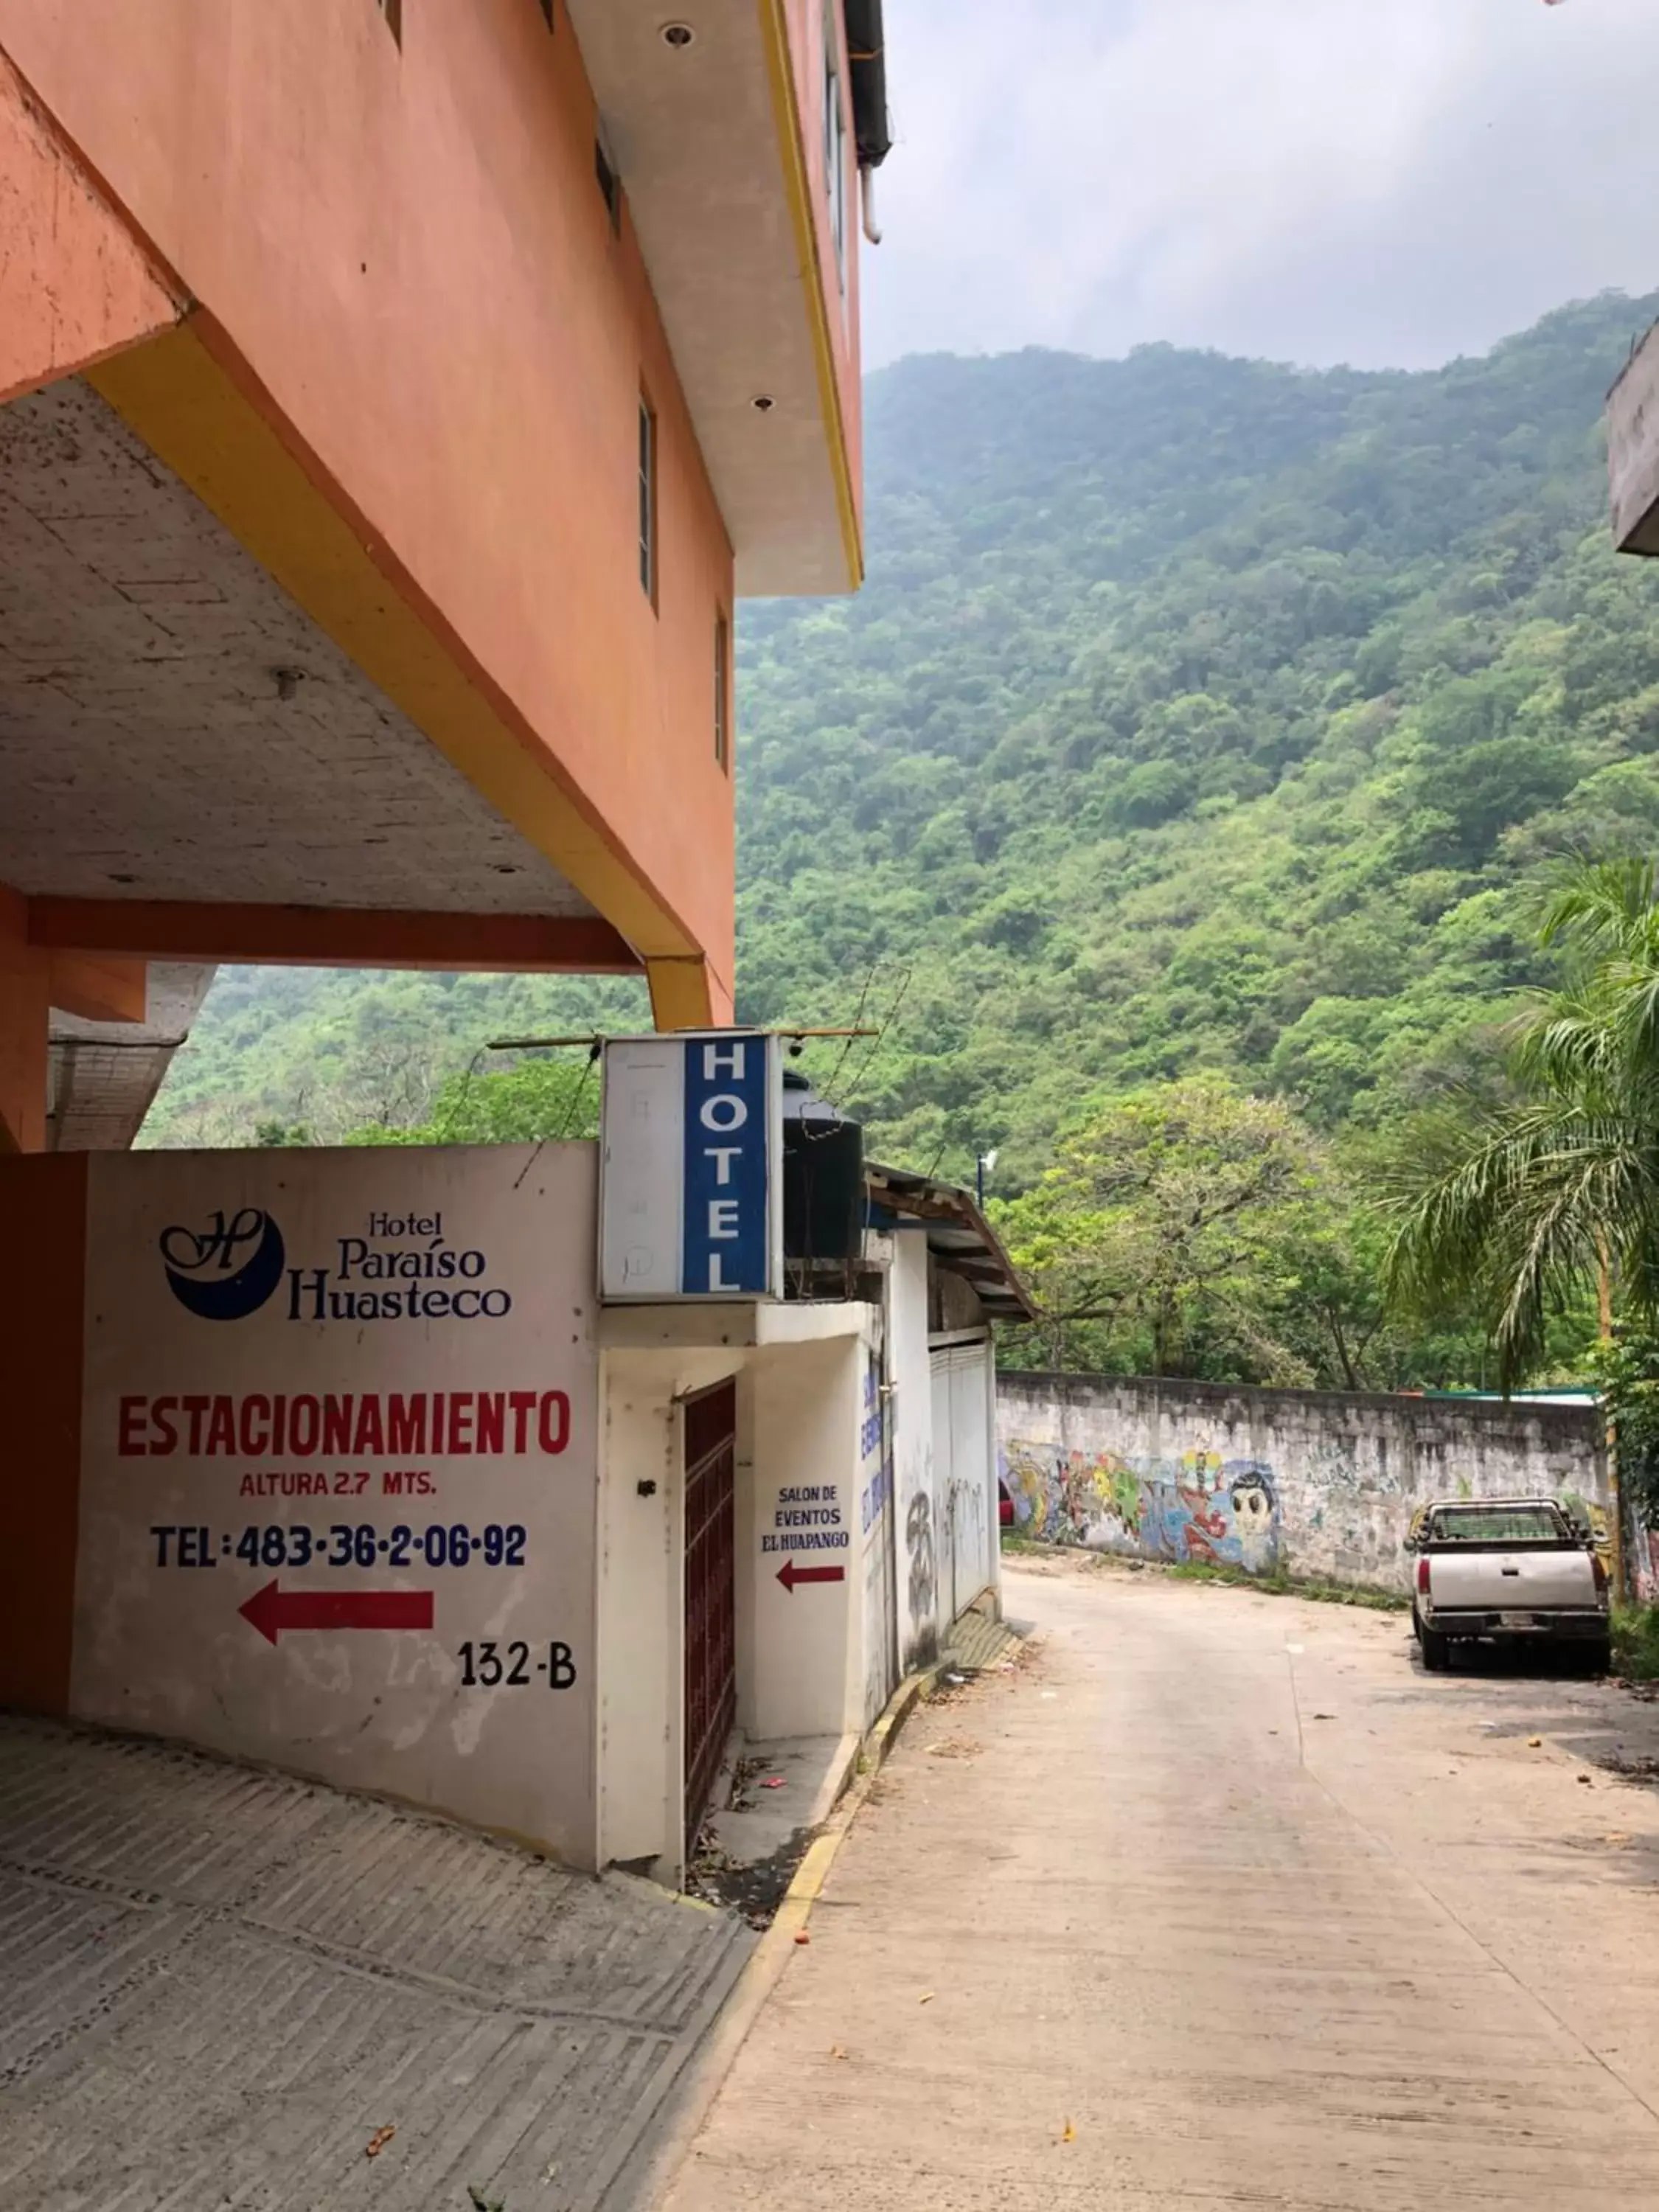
219	1987
1219	1900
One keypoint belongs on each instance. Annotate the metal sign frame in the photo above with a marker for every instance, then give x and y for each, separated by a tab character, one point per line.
676	1193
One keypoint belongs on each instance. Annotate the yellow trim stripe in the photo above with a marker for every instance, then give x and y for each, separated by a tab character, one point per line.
798	189
680	995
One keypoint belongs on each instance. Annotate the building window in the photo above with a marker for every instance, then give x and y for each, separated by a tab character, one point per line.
610	185
648	500
834	144
722	691
393	12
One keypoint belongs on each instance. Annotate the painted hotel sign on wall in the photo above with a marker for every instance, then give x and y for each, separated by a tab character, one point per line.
691	1191
339	1465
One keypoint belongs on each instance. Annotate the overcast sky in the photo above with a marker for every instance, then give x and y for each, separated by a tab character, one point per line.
1381	182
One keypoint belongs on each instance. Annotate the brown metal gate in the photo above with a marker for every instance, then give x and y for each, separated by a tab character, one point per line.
711	1422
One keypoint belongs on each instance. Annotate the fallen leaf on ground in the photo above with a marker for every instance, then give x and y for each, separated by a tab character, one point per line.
1535	1743
1068	2133
835	2051
926	1998
378	2141
773	1782
1324	1717
1588	1784
1618	1841
803	1937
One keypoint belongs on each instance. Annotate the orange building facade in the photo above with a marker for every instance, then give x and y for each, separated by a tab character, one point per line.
395	397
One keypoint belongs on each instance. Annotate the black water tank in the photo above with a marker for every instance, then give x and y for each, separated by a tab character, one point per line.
822	1176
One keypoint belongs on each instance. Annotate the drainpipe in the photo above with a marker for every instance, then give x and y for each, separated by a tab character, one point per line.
867	198
872	130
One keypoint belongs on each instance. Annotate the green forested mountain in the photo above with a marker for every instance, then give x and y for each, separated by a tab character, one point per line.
1198	714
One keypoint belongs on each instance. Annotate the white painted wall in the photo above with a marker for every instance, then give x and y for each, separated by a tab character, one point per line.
192	1509
910	1368
801	1651
807	1671
877	1539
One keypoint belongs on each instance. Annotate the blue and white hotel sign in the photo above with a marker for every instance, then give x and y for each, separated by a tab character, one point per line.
691	1188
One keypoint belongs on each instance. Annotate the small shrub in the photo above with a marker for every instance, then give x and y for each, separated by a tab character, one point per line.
1635	1642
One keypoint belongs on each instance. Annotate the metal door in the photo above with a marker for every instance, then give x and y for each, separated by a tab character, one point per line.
963	1483
711	1636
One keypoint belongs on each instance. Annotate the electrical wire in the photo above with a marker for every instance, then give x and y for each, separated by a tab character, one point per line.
576	1096
887	1021
834	1077
579	1093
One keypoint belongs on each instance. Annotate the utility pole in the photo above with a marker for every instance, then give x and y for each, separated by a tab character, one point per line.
1615	1498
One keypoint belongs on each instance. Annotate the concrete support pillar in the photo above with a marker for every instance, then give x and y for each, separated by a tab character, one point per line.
25	1028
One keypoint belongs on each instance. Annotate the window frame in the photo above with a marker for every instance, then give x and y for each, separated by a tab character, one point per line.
609	180
722	691
835	141
647	474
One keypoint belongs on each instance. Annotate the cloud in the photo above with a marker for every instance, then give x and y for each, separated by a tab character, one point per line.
1383	182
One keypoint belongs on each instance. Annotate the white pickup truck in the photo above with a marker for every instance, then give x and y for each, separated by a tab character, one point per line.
1507	1570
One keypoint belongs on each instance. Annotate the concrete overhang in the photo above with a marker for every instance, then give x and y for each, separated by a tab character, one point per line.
751	1326
178	738
103	1076
959	1236
706	139
1633	450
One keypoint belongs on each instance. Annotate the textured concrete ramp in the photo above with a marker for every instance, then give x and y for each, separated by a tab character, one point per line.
216	1985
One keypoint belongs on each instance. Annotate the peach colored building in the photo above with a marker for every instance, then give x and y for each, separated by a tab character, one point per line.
394	397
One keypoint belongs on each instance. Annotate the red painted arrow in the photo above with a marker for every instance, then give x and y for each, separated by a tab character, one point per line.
789	1574
272	1610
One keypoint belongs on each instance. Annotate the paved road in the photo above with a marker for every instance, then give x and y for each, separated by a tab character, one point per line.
1220	1901
219	1986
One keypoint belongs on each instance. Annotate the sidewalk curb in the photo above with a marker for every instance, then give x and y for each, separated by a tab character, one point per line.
668	2142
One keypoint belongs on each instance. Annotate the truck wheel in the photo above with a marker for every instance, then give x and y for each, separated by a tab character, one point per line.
1598	1655
1437	1652
1417	1622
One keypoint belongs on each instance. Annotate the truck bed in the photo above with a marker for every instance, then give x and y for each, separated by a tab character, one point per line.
1531	1579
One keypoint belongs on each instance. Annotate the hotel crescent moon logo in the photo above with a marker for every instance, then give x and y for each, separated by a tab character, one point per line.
227	1269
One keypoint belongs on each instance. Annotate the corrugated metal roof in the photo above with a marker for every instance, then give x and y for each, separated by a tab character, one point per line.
957	1233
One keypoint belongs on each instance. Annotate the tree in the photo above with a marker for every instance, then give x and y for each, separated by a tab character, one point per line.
538	1100
268	1136
1155	1231
1529	1204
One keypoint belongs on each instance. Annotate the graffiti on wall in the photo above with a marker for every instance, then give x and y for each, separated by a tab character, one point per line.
918	1545
1201	1507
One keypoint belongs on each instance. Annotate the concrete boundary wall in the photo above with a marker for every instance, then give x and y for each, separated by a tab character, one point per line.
1308	1482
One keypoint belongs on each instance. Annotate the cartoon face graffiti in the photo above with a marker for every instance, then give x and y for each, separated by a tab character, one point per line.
919	1543
1255	1517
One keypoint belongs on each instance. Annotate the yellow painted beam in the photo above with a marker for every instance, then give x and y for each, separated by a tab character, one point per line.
798	190
680	995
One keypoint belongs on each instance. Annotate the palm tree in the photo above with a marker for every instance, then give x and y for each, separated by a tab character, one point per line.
1556	1190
